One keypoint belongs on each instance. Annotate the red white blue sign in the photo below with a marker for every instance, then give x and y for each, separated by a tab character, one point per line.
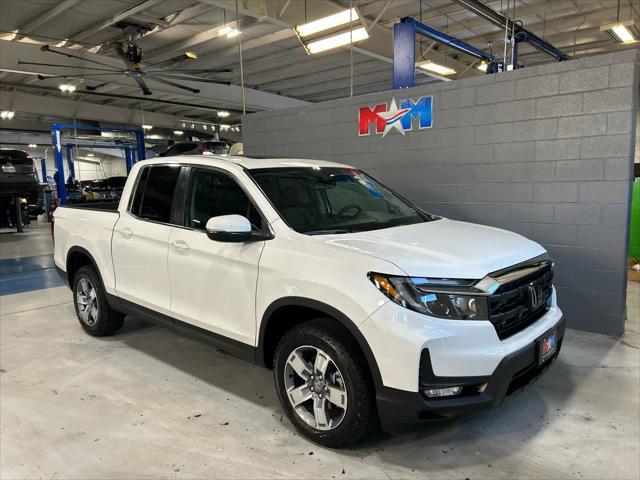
383	118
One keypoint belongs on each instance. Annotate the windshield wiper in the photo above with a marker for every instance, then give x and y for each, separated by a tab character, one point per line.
334	231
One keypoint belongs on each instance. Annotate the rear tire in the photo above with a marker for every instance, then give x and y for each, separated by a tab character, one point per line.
323	384
92	308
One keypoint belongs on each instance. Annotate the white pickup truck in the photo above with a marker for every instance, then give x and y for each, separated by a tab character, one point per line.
367	308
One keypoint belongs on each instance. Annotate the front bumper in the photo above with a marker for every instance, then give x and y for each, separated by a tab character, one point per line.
401	410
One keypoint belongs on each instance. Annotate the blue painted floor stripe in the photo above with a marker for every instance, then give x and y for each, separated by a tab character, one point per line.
25	264
27	274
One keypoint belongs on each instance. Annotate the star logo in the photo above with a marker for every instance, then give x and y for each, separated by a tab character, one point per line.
392	117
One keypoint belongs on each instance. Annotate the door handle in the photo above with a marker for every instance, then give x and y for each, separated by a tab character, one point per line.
180	245
127	232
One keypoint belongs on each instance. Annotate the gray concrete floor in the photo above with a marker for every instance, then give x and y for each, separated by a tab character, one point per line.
148	403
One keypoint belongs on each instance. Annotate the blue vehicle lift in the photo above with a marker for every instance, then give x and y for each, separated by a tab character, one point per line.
404	43
404	49
131	154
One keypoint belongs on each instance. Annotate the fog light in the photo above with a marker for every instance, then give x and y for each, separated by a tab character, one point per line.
442	392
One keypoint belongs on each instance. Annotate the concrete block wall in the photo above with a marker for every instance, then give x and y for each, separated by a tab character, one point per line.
545	151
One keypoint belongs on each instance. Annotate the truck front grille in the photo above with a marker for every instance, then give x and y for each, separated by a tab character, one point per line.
519	303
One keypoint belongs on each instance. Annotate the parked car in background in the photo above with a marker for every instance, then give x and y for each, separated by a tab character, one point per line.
365	306
18	174
197	148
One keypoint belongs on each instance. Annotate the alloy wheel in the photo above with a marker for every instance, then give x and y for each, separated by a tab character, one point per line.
87	300
315	388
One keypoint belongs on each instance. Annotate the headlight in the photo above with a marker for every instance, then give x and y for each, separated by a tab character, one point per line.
430	296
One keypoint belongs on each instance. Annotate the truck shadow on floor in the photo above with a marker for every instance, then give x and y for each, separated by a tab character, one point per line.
501	431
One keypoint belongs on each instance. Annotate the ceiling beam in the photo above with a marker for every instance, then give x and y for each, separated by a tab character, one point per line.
43	18
122	15
67	108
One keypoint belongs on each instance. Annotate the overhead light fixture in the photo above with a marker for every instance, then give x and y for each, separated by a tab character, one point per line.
228	31
7	114
191	55
327	23
178	132
10	35
622	32
90	155
147	127
436	68
483	66
67	88
223	113
332	31
339	40
33	145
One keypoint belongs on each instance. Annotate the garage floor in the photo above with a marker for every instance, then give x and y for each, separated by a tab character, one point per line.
149	403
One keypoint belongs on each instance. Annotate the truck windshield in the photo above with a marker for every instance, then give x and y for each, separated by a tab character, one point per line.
318	201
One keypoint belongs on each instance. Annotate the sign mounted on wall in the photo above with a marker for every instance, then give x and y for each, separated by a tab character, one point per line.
386	118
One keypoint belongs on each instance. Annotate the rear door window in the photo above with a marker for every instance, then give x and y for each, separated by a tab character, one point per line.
154	195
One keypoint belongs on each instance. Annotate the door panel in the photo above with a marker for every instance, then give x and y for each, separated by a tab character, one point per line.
213	284
139	250
141	239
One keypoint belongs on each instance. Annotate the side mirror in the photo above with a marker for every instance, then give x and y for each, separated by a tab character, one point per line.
229	228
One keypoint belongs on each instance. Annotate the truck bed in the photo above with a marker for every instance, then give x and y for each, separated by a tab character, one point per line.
97	206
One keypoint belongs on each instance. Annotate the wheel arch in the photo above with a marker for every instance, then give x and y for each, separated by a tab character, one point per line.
272	327
78	257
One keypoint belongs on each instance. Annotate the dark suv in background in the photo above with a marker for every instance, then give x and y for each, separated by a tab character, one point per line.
17	174
197	148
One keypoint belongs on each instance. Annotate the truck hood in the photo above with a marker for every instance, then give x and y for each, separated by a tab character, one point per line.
442	248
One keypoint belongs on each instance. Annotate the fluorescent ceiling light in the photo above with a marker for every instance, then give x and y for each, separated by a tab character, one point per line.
622	32
178	132
67	87
191	55
326	23
437	68
7	114
33	145
229	31
339	40
483	66
90	155
147	127
223	113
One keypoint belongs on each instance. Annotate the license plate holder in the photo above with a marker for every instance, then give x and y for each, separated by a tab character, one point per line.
547	346
8	169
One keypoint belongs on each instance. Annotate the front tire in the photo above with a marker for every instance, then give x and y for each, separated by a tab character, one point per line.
323	384
92	308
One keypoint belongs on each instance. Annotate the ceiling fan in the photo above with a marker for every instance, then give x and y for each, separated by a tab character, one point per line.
131	55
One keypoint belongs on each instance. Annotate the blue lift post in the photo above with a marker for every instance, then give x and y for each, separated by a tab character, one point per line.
43	167
128	158
56	130
404	49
